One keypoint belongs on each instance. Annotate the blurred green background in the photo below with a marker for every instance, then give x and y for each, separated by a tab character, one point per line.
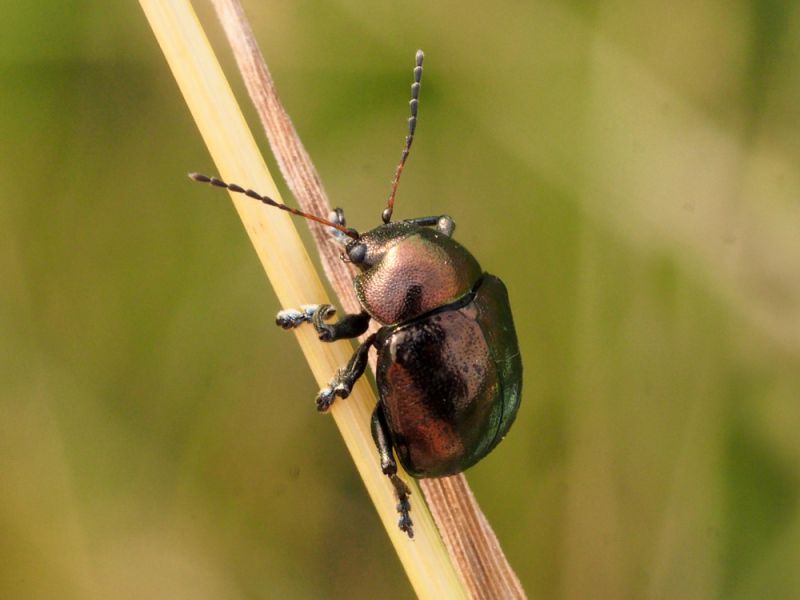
630	169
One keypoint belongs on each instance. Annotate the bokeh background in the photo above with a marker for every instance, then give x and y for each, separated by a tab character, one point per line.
630	169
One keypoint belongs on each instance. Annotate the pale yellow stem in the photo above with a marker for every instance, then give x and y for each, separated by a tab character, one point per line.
291	273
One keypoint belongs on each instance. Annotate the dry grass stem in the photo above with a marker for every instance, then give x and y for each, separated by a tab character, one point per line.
469	538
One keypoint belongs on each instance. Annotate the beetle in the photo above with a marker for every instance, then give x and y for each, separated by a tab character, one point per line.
449	372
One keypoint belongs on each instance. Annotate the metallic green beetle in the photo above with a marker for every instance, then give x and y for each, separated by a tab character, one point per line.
449	370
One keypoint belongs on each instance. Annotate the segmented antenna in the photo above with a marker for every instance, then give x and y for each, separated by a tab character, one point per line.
269	201
412	125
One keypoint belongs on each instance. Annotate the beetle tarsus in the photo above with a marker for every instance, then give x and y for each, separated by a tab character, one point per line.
342	389
380	434
291	317
405	524
403	505
347	327
337	388
342	383
337	216
442	223
324	399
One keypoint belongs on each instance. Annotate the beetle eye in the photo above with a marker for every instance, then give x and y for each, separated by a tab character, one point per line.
357	253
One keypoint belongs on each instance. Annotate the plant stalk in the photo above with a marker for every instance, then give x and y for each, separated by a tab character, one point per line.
469	541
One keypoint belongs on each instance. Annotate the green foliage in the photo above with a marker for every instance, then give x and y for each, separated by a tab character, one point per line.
628	169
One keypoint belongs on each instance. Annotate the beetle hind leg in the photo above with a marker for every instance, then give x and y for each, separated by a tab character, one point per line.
380	434
342	383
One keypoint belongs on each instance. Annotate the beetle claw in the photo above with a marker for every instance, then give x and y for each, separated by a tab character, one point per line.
324	399
405	524
403	505
289	318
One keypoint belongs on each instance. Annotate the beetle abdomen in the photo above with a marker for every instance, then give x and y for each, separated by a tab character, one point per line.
450	383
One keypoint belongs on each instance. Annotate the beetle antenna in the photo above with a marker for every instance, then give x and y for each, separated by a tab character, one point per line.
269	201
412	125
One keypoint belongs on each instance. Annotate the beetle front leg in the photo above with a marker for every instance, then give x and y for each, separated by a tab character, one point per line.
349	326
380	433
342	383
442	223
337	216
290	318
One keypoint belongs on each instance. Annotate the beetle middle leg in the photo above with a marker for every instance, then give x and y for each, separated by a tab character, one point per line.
342	383
380	433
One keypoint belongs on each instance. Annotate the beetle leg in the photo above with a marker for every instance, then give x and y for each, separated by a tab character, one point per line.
291	317
443	223
337	216
380	433
349	326
342	383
